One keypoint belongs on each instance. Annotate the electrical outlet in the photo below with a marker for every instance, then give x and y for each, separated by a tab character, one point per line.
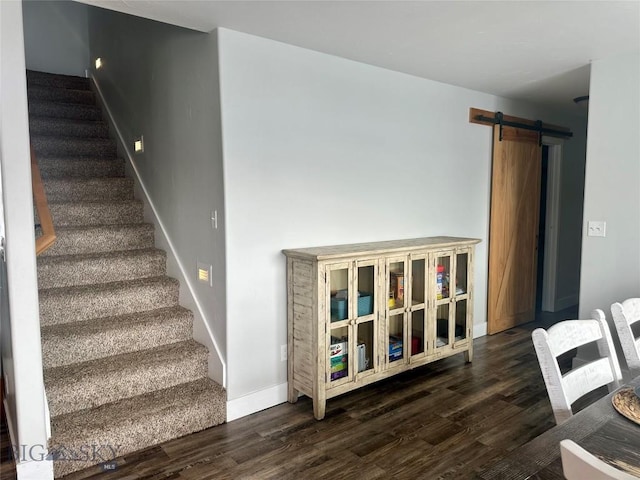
283	353
596	229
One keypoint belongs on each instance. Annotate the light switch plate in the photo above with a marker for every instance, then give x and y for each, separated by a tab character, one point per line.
596	228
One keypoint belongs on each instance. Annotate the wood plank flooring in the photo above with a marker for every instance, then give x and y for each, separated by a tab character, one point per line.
443	420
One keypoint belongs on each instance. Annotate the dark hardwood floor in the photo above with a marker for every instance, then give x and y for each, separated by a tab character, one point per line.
443	420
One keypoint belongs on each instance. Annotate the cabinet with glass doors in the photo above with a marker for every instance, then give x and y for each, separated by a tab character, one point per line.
360	313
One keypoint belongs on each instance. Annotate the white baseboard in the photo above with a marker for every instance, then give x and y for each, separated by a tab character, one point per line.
566	302
254	402
479	329
189	299
270	397
36	470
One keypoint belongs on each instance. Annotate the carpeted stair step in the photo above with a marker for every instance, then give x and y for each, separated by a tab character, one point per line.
45	108
61	95
77	342
88	189
96	268
90	384
100	238
57	80
77	304
68	127
50	146
136	423
67	214
76	167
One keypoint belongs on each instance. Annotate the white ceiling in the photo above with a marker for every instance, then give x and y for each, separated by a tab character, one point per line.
533	50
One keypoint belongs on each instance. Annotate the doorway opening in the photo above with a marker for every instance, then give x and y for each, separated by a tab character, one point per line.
542	227
547	254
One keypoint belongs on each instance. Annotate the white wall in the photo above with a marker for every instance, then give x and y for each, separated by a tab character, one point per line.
320	150
161	82
21	350
611	265
56	36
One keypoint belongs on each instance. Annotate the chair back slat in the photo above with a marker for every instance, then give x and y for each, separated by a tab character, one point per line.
625	315
565	389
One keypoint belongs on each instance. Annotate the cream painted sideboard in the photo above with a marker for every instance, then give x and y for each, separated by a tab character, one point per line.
363	312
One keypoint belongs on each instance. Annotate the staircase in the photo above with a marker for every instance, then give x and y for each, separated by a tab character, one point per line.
121	369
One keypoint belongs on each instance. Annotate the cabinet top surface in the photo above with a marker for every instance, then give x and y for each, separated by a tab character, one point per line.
375	248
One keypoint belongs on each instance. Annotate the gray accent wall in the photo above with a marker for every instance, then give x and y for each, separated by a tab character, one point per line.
56	36
161	82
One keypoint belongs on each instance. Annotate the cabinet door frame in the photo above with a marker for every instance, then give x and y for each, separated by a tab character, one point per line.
468	326
435	350
372	318
389	312
330	325
424	306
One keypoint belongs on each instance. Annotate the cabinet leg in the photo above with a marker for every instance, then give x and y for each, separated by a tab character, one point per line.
468	356
319	406
292	393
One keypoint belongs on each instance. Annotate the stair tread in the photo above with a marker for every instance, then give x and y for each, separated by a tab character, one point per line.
35	138
108	416
110	379
136	423
86	181
85	239
116	322
36	87
101	212
67	94
101	256
84	302
97	268
43	101
84	186
56	166
78	189
110	286
66	121
114	201
76	342
57	78
138	360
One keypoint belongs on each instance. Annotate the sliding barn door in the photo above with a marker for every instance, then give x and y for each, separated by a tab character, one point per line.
515	200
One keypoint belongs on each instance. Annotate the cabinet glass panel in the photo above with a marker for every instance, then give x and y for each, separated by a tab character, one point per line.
366	290
417	281
461	273
417	332
461	320
339	288
442	325
396	285
364	348
443	270
396	338
339	353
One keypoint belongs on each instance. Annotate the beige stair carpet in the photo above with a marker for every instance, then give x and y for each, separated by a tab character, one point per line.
122	371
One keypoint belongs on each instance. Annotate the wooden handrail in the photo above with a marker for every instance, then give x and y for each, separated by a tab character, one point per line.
48	237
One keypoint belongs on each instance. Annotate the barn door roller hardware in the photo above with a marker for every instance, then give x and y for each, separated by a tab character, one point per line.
498	119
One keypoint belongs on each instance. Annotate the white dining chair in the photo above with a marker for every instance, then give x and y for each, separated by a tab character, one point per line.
565	389
578	464
626	314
